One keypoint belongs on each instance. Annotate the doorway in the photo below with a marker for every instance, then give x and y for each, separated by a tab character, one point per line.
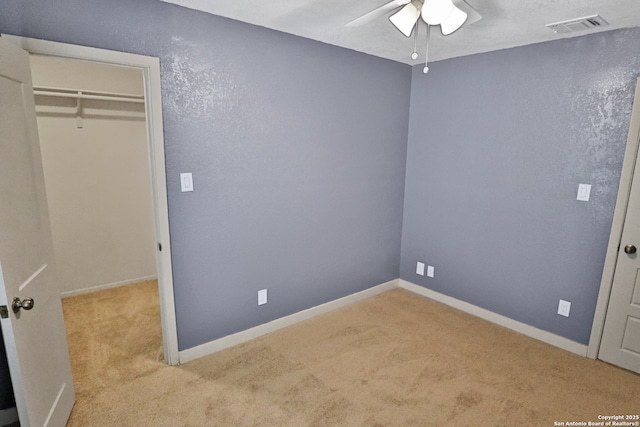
150	69
93	141
615	336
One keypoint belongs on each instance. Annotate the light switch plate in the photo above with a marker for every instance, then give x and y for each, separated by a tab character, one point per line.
420	268
430	271
186	182
584	192
262	296
564	307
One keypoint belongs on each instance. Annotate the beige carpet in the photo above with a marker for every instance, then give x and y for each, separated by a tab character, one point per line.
397	359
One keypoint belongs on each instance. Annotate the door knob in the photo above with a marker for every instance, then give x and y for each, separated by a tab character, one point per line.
630	249
26	304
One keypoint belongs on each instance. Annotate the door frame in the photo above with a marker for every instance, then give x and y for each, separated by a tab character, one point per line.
617	225
150	67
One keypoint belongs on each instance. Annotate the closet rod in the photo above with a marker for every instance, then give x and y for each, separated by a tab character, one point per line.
78	94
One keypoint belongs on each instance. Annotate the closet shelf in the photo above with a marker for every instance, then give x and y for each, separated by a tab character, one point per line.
81	94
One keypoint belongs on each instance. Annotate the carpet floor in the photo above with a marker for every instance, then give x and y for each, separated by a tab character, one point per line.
397	359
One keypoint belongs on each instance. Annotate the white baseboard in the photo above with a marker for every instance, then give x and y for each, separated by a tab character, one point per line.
498	319
8	416
255	332
73	293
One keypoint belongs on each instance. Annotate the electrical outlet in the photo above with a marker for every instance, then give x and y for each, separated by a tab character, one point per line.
430	271
262	296
584	192
564	307
420	268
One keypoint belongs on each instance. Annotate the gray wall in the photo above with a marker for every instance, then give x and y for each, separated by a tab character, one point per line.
498	144
297	150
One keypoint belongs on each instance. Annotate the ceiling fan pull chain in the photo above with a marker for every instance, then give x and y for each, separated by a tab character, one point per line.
426	54
414	55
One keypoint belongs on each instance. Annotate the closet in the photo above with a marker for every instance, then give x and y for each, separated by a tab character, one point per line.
92	128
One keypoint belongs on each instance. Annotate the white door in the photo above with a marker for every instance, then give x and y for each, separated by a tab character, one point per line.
621	336
35	339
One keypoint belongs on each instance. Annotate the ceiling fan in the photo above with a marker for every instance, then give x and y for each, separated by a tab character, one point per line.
449	14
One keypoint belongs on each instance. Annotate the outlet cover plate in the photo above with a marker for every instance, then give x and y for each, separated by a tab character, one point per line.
262	296
564	307
430	271
186	182
420	268
584	192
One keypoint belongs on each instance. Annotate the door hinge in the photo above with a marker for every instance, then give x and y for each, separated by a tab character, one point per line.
4	311
160	246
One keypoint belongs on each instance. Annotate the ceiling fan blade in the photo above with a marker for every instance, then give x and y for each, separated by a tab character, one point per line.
405	19
454	21
375	13
472	14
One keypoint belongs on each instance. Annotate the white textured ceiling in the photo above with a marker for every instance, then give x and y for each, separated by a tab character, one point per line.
504	24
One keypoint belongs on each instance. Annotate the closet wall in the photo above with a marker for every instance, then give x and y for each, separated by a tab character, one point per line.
96	168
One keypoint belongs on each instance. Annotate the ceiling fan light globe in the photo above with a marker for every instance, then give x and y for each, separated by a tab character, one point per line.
434	12
453	22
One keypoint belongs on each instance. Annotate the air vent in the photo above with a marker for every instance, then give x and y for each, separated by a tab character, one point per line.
580	24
